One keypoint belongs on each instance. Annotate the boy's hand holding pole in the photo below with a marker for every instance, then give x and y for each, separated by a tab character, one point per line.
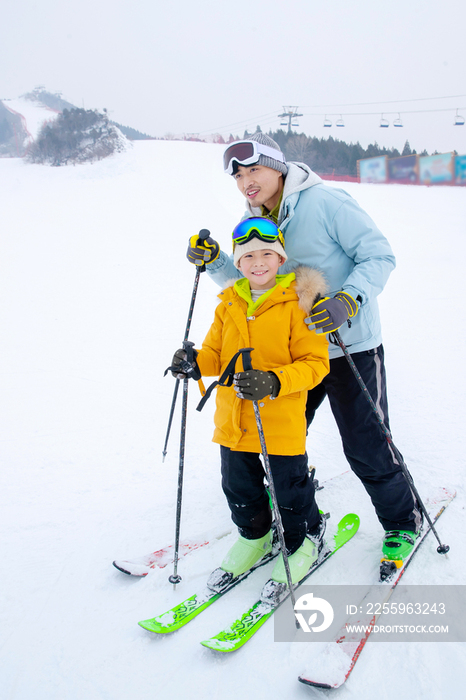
184	362
255	385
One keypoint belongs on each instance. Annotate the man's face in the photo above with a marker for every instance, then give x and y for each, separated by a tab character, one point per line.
260	185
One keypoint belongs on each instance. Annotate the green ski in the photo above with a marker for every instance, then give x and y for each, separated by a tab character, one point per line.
186	611
219	583
243	629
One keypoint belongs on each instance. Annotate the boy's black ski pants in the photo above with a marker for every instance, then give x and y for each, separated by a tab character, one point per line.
243	485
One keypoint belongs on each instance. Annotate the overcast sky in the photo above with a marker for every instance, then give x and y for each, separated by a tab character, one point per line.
217	66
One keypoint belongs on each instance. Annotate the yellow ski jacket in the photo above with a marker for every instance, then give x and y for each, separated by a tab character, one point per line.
282	343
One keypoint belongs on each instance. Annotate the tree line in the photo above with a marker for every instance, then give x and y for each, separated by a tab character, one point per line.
330	156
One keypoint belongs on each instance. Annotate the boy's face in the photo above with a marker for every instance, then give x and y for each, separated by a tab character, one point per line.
260	268
260	185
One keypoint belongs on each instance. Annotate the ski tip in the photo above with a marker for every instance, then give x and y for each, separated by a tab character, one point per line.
152	626
219	645
316	684
347	528
135	570
350	521
225	646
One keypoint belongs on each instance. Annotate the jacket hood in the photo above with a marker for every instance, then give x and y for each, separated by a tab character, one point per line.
300	177
310	285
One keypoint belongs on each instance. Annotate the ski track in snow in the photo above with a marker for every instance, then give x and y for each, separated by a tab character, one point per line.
95	289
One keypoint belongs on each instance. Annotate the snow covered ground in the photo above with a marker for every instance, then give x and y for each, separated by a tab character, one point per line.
95	288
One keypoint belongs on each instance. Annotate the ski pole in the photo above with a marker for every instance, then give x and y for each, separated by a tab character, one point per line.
188	346
175	577
442	548
281	536
203	234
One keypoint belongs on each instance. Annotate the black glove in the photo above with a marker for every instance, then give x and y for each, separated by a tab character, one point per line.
182	369
202	251
329	313
256	384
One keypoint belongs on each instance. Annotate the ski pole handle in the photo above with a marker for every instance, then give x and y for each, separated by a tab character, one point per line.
204	234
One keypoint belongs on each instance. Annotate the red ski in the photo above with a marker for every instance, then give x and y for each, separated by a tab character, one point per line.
141	566
333	667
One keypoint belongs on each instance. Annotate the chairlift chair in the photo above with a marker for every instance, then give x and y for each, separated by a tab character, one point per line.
398	122
384	122
327	122
459	120
340	122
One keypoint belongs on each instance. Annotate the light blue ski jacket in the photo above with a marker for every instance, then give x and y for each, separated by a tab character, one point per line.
325	228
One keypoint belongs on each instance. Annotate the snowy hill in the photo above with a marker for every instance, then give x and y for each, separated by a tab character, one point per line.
95	290
35	114
91	137
31	115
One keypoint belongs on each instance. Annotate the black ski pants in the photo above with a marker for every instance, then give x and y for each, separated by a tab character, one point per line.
364	444
243	485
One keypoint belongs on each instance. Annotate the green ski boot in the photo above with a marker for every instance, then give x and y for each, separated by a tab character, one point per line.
300	562
246	553
397	547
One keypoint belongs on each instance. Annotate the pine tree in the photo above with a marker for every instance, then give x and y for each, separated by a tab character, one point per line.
407	149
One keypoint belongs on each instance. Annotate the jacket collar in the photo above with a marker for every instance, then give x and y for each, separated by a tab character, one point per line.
240	288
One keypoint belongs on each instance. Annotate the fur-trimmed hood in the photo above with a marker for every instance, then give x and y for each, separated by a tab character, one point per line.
310	284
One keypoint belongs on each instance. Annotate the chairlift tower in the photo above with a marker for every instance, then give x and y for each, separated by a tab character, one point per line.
291	114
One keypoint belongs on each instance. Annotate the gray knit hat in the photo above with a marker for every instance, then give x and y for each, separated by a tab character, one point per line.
267	161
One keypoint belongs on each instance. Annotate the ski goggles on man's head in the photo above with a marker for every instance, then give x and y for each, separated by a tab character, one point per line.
257	227
248	153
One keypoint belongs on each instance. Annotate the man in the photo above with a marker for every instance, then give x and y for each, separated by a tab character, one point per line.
325	228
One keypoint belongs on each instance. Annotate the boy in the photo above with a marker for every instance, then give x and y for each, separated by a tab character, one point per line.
266	311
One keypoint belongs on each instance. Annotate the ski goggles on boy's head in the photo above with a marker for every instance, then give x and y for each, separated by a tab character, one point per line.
257	227
248	153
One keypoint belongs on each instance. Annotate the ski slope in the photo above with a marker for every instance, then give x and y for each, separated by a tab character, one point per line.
34	115
95	289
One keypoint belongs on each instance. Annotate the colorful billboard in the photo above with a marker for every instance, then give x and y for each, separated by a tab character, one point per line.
373	169
403	170
435	170
460	170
